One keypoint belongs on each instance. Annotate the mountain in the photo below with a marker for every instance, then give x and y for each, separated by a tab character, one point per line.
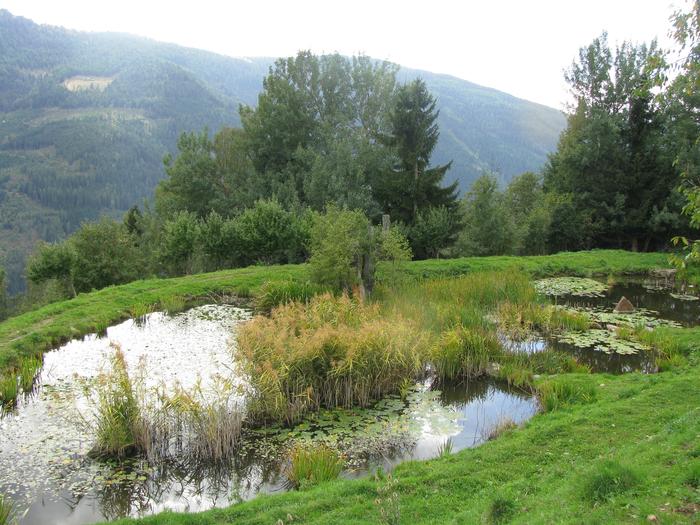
86	118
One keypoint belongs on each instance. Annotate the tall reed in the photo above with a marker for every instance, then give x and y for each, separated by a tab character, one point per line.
463	352
7	511
312	465
332	352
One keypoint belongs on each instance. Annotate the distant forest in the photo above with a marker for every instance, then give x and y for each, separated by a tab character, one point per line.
334	146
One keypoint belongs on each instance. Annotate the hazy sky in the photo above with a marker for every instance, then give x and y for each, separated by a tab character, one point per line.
520	47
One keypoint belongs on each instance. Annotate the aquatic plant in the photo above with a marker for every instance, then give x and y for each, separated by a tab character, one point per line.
276	293
606	480
606	341
445	448
28	369
310	465
559	393
172	304
9	389
462	353
332	352
7	511
577	286
500	427
119	427
519	321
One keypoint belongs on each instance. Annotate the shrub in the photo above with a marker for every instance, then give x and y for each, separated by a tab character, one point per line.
607	480
560	393
333	352
312	465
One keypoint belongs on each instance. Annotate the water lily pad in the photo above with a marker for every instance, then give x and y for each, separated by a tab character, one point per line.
606	341
577	286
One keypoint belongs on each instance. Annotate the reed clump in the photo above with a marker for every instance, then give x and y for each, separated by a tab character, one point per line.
556	394
331	352
119	426
521	320
462	353
276	293
7	511
159	422
310	465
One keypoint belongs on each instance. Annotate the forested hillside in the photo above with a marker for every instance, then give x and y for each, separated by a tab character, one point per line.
86	118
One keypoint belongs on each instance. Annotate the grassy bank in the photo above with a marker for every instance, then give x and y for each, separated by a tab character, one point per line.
631	453
24	338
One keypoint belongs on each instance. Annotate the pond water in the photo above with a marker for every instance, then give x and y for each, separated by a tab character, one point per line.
46	470
657	302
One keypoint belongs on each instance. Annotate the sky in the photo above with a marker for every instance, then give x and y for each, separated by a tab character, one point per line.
520	47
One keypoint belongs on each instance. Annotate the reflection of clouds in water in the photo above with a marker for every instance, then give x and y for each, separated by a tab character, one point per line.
43	445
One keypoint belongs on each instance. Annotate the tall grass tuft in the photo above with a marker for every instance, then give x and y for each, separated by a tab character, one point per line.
7	511
172	304
29	368
501	510
9	389
607	480
277	293
462	353
500	427
520	320
119	426
332	352
560	393
161	423
312	465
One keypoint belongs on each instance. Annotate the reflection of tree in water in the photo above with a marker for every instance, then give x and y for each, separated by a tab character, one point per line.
221	483
468	391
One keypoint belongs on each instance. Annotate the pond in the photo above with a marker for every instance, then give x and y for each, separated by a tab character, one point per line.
657	302
46	470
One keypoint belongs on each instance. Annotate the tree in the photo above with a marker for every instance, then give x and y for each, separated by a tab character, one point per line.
434	230
414	132
105	254
613	160
270	235
53	261
312	138
684	105
487	227
178	244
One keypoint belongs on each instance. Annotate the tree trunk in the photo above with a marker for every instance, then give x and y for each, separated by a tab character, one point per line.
635	244
415	192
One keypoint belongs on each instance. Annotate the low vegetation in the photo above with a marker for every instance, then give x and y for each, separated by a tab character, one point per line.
333	352
310	465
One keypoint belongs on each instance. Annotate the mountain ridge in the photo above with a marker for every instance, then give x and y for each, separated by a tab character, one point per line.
69	155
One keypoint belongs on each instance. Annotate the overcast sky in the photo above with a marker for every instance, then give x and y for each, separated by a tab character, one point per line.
521	47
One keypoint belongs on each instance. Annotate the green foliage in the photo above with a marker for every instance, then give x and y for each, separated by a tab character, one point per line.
310	466
488	229
268	234
434	230
7	511
340	242
119	429
608	479
272	294
52	261
463	353
413	134
501	510
331	352
105	254
555	394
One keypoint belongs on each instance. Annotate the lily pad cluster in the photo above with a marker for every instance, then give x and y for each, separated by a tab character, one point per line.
576	286
606	341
